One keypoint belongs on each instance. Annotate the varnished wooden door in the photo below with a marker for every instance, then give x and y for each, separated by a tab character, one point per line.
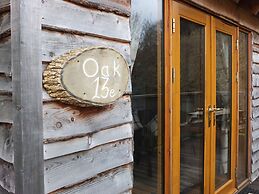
203	102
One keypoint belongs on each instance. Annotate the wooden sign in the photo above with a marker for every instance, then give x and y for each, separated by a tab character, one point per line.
90	76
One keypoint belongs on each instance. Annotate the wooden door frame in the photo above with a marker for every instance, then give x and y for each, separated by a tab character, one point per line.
173	63
229	187
172	136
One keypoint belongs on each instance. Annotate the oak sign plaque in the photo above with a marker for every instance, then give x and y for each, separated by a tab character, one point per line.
90	76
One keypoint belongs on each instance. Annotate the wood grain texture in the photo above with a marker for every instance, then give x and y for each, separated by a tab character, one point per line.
91	163
61	15
55	44
63	121
6	143
3	191
5	53
5	24
7	176
27	96
120	7
255	38
255	58
5	84
4	5
115	181
6	116
61	148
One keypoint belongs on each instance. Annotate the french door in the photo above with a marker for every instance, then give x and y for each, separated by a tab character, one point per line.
204	102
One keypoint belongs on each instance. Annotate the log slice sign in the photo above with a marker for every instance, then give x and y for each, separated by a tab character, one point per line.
90	76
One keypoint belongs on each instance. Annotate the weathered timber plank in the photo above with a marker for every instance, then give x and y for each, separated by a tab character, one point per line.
5	55
255	68
255	92
63	121
255	57
6	142
27	96
255	157
7	180
255	123
4	5
254	175
120	7
255	135
7	106
255	166
3	191
55	44
255	102
5	84
255	38
62	14
116	181
256	48
5	24
255	145
255	80
61	148
85	165
255	112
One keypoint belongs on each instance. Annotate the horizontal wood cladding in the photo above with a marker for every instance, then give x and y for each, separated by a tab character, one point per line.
6	142
5	53
78	167
5	84
3	191
255	108
117	180
56	43
61	148
7	180
64	16
93	144
5	24
61	122
120	7
7	106
4	5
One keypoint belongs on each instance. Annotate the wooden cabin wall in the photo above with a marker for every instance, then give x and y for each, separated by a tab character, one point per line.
255	107
7	184
86	150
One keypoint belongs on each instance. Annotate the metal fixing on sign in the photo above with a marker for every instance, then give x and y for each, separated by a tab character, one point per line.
89	76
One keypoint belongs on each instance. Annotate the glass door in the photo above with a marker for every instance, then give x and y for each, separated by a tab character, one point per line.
203	102
225	106
191	99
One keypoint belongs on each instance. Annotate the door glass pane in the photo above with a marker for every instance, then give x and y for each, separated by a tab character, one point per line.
192	64
223	103
147	95
243	90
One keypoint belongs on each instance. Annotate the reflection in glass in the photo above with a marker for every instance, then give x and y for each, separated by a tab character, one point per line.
223	102
147	84
243	90
192	64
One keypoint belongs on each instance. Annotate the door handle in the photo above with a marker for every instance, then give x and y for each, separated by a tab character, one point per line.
214	109
210	110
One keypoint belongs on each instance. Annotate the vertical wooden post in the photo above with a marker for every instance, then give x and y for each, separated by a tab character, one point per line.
27	96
